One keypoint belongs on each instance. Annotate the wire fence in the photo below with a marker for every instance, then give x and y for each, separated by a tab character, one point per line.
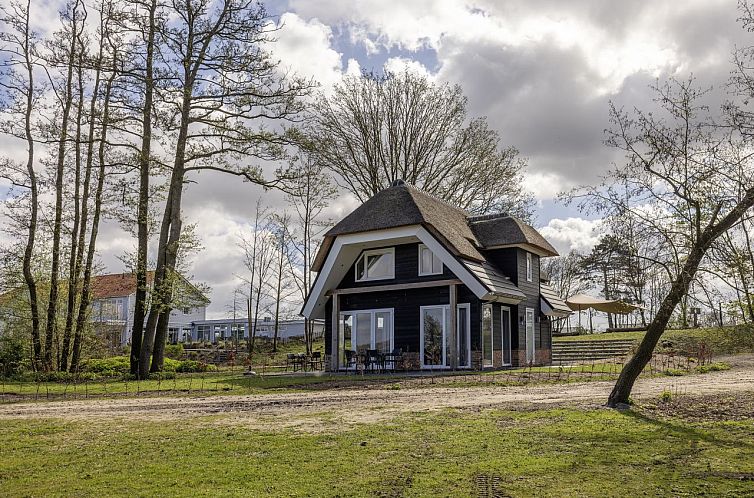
233	382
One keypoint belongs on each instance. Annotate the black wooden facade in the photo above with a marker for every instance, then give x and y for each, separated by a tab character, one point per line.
406	302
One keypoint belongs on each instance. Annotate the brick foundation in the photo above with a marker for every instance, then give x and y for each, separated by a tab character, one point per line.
541	357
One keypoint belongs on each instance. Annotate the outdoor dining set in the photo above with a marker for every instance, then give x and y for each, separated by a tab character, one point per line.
367	360
373	360
303	361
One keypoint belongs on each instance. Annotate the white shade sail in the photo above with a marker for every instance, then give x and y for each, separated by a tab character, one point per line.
581	302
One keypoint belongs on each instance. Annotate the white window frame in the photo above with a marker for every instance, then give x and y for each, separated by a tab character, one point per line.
492	334
530	312
529	267
502	336
372	327
423	273
372	252
445	312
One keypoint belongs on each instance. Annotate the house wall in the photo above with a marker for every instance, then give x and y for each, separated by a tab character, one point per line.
406	304
512	262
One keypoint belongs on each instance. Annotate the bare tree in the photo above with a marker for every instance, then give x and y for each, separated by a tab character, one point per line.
566	276
108	49
17	80
283	288
374	130
73	17
682	174
222	87
309	194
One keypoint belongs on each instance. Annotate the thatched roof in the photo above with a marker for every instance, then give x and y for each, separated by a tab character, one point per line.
402	205
500	230
464	235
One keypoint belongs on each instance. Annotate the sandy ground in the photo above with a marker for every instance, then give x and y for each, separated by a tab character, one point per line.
371	405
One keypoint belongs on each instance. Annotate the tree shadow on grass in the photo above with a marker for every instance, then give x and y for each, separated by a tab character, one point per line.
687	431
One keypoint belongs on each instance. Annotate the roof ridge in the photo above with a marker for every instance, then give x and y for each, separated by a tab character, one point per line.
491	216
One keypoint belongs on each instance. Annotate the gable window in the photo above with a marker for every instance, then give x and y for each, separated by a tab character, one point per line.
377	264
528	267
429	263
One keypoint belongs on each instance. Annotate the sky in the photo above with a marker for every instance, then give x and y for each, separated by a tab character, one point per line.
541	72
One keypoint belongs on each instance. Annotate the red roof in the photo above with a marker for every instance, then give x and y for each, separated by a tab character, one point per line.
116	284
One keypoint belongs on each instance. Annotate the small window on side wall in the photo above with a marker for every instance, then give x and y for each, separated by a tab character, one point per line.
377	264
529	269
429	263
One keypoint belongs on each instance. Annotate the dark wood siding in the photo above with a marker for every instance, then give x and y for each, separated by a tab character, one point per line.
406	311
406	270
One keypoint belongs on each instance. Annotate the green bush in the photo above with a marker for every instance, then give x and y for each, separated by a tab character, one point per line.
713	367
11	355
191	366
107	367
174	351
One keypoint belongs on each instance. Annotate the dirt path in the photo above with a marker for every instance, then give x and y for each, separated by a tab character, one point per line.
363	405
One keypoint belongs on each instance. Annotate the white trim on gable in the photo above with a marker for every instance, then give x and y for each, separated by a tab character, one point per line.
346	248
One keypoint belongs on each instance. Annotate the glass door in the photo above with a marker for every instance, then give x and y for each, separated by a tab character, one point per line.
365	329
530	335
487	335
435	336
463	317
506	334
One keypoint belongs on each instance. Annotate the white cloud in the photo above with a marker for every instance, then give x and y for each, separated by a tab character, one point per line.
572	234
400	64
304	48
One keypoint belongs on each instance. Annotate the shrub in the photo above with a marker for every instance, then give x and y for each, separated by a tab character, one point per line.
191	366
107	367
174	351
11	355
666	396
713	367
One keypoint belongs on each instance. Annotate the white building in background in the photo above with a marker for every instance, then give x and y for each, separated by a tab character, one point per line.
114	297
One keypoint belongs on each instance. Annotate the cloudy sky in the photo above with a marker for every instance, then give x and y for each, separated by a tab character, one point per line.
542	72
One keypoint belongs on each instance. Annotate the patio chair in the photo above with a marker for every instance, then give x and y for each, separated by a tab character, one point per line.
290	361
350	359
372	359
392	359
315	360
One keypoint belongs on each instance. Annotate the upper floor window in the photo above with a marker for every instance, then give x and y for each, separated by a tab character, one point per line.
186	310
529	270
429	263
376	264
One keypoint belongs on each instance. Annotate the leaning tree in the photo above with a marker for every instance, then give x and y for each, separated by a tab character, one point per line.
686	179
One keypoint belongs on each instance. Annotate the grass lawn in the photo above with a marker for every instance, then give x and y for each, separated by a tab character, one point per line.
546	452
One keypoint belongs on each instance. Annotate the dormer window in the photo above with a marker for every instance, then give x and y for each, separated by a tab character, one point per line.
429	263
376	264
529	269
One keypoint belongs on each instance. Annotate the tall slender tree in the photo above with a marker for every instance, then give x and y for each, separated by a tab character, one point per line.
20	44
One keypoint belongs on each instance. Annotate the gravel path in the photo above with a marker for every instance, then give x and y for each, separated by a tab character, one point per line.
371	404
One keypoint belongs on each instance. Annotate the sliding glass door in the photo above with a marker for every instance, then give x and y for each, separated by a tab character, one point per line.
365	329
505	332
435	343
487	359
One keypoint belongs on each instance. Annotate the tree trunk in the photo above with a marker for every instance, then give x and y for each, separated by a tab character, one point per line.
78	234
277	296
52	304
631	371
142	218
86	283
31	283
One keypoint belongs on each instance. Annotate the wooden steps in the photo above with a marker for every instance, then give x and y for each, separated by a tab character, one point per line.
587	351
